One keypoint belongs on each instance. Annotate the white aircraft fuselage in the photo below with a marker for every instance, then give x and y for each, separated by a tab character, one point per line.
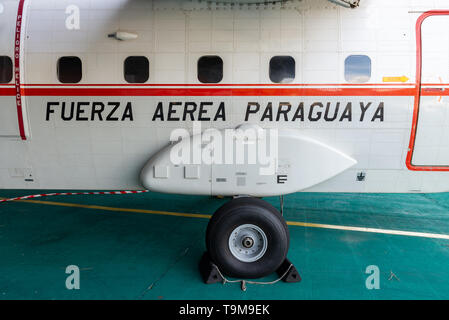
366	108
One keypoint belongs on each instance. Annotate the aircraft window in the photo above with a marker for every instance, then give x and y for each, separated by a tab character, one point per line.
137	69
5	69
69	69
210	69
357	69
282	69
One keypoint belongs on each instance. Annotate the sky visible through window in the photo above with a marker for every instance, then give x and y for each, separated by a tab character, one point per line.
357	69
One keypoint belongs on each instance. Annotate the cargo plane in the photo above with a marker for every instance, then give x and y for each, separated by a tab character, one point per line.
344	96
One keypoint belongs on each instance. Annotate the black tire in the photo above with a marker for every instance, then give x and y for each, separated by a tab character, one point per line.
242	211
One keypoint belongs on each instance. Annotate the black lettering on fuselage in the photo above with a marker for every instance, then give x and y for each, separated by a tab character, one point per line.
326	112
110	116
299	114
347	113
159	113
172	111
363	108
128	113
203	111
209	111
268	113
50	110
379	114
250	110
317	114
282	111
97	109
193	111
87	111
80	111
189	111
64	116
221	112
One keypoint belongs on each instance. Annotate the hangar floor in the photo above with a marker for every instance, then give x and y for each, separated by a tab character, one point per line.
148	246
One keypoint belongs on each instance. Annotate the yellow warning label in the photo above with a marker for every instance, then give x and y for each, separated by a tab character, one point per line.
395	79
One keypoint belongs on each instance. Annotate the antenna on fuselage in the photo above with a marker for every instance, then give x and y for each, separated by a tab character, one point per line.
123	35
347	3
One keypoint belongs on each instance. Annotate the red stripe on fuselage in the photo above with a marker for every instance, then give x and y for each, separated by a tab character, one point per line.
206	91
18	89
7	92
437	91
220	85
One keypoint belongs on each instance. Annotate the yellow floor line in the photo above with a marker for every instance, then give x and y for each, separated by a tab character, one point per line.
370	230
207	216
86	206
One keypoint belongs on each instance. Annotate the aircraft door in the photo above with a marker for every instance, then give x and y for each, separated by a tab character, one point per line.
431	144
8	108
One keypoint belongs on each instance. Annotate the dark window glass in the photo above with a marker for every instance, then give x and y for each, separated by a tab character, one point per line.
282	69
69	70
357	69
137	69
210	69
5	69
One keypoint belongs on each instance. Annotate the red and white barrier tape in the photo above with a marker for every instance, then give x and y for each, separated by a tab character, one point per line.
73	194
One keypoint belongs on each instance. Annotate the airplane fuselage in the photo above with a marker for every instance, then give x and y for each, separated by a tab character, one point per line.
370	83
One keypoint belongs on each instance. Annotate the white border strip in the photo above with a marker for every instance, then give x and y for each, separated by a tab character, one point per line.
370	230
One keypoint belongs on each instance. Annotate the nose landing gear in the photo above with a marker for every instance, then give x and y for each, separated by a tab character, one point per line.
247	238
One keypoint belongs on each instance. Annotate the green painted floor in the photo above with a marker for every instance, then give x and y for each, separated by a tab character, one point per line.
125	255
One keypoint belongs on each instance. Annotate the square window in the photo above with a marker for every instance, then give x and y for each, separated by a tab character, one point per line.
210	69
5	69
282	69
69	69
137	69
357	69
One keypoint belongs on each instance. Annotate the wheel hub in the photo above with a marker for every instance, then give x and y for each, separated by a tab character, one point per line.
248	243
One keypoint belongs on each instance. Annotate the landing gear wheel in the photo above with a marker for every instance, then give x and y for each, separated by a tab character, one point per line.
247	238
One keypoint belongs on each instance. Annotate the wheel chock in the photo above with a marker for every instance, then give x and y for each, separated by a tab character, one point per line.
209	271
288	272
211	274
